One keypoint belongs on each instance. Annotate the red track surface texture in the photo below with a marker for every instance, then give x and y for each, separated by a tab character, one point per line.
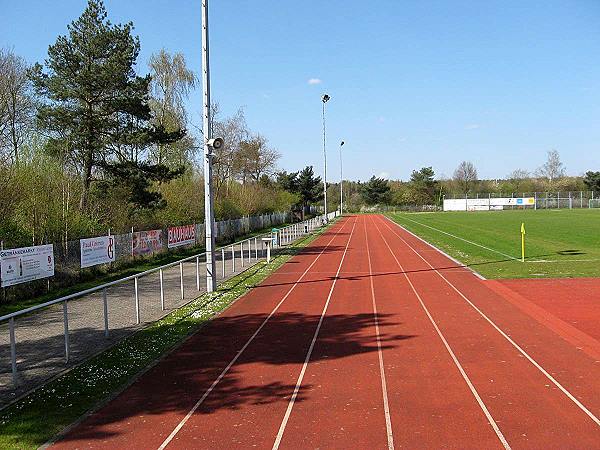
360	342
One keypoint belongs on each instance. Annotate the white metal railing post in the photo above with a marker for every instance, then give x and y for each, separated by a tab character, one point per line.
256	249
162	290
137	301
197	273
13	349
181	280
105	308
223	261
242	253
233	258
66	327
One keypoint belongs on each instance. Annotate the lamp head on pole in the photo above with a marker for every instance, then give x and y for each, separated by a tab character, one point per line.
325	98
341	143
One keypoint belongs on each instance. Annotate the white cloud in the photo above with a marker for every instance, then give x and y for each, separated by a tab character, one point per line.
384	175
472	126
312	81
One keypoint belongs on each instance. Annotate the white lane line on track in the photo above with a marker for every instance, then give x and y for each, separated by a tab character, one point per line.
503	334
386	405
459	238
288	411
239	353
457	363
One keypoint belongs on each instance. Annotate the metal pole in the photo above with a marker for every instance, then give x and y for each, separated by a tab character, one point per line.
13	349
137	301
341	181
233	258
162	291
325	98
105	305
242	253
223	261
255	249
66	324
197	273
181	279
211	276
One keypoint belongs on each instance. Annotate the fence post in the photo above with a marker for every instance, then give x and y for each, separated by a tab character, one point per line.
181	279
242	253
162	290
255	249
233	258
105	306
223	261
66	326
137	301
13	350
197	273
581	197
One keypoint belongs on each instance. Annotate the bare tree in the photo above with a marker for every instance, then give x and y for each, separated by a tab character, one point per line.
553	169
17	104
255	159
465	176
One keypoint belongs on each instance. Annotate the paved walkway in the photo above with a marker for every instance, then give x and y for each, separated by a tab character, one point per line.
40	335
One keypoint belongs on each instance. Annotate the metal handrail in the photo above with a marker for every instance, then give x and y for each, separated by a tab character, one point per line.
288	233
120	280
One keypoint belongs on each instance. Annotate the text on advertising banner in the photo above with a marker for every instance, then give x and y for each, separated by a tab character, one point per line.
183	235
21	265
98	250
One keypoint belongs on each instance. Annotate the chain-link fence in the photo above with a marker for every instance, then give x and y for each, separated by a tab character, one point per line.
542	200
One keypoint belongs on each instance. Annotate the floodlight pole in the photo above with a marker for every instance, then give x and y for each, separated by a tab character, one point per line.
341	182
324	99
209	217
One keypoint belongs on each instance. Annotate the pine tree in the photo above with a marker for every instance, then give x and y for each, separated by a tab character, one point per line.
97	112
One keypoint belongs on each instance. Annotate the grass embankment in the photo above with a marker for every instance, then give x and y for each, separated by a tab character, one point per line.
559	243
100	275
33	420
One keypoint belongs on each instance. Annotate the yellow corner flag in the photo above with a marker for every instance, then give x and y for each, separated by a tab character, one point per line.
522	242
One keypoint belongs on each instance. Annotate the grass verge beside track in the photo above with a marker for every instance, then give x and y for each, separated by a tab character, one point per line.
559	243
36	418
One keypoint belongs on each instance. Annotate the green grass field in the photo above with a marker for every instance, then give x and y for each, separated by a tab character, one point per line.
559	243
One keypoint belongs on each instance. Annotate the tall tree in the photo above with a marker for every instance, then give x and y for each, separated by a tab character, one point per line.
592	180
376	191
423	186
553	168
172	82
255	158
97	109
310	187
17	104
465	176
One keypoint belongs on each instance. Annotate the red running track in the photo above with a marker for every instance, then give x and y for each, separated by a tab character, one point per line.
369	338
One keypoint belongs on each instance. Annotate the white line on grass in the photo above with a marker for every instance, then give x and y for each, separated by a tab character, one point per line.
288	412
457	363
508	338
459	238
386	406
239	353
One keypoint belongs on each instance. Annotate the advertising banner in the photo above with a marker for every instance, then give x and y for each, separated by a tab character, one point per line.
20	265
147	242
98	250
182	235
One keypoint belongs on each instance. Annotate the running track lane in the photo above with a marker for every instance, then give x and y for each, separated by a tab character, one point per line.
344	401
145	414
529	404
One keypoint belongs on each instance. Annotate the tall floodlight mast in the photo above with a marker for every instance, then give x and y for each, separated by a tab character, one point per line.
325	99
209	144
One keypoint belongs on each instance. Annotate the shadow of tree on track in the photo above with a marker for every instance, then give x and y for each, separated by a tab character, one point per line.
175	384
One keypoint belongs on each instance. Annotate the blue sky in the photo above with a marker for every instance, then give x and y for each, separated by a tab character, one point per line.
413	83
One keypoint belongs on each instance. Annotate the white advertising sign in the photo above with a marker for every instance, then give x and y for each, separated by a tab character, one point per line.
183	235
20	265
485	204
98	250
